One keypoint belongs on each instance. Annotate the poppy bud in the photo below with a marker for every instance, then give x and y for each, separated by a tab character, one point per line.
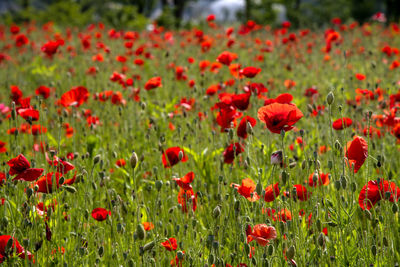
373	250
133	160
303	164
343	181
330	98
385	241
36	188
216	212
290	252
180	255
180	155
61	180
29	192
395	208
211	259
315	178
141	233
285	176
149	246
276	157
101	251
96	159
158	184
321	239
259	188
70	189
230	132
249	128
330	164
368	214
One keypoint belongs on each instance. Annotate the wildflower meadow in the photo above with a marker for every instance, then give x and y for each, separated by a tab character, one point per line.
216	145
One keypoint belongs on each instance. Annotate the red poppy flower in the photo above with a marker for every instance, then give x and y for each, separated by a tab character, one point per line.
43	91
262	233
100	214
15	248
75	97
51	47
153	83
247	189
185	181
226	57
342	123
374	191
250	72
356	152
241	101
3	148
21	40
171	156
210	17
323	179
45	183
242	128
176	262
283	215
170	244
38	129
229	153
271	192
360	76
29	114
279	117
301	192
226	118
148	226
120	163
21	166
3	178
185	196
62	166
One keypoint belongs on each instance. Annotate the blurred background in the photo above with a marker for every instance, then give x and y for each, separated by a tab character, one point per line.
137	14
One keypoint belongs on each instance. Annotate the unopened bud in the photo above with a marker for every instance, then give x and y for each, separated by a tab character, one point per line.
96	159
290	252
216	212
330	98
141	233
133	160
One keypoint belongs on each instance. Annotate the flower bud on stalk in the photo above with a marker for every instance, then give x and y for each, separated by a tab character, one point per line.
133	160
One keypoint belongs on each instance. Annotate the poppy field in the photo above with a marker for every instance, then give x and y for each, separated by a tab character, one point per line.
212	146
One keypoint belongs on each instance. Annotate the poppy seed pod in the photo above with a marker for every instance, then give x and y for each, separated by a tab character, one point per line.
133	160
